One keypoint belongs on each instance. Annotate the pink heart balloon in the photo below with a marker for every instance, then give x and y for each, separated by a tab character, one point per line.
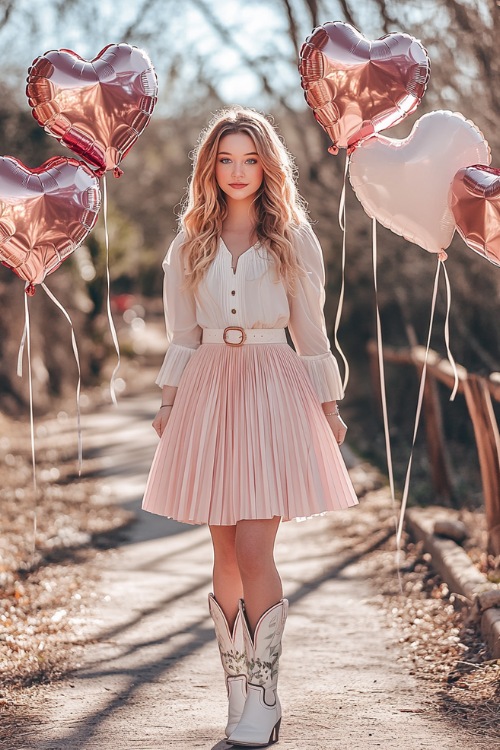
404	184
45	213
98	108
475	202
356	87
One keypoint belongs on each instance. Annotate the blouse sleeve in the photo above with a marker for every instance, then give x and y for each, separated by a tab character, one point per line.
183	332
307	321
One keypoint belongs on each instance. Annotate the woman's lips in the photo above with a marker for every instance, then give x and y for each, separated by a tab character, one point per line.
238	185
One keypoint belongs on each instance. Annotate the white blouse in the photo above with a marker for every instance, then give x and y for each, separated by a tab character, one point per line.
251	297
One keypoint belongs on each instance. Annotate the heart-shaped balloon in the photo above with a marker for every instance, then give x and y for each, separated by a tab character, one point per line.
357	87
405	184
475	202
98	108
45	213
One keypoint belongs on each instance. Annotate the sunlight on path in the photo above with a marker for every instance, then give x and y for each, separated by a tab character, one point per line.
151	677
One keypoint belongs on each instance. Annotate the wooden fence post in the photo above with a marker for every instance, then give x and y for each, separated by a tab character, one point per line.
436	444
481	412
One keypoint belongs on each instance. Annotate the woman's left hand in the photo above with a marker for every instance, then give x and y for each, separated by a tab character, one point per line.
338	427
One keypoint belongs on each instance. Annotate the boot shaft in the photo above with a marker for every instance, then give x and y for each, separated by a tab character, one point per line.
261	718
231	642
263	650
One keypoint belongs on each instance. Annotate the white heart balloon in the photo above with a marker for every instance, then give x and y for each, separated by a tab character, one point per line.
405	184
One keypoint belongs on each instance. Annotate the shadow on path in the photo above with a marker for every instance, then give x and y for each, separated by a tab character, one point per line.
194	636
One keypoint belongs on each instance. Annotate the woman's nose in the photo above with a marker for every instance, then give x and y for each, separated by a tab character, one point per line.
237	169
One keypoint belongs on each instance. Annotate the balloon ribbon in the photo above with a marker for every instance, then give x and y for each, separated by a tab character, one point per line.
404	500
26	341
380	353
78	387
342	224
108	295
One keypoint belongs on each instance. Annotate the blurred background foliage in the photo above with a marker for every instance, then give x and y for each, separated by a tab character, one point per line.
209	54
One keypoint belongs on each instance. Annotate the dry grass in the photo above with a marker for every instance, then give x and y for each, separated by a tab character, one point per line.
46	593
439	642
440	645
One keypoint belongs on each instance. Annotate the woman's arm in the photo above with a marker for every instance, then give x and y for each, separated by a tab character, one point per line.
308	329
183	331
307	320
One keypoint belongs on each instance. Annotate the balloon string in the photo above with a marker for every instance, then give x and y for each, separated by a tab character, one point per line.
108	295
342	217
20	354
380	352
447	333
77	359
404	499
27	340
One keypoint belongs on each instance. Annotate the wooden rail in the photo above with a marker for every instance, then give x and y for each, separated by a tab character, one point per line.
479	392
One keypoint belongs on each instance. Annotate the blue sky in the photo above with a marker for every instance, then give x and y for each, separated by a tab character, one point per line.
255	26
179	31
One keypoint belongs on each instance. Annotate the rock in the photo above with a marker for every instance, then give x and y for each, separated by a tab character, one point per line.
455	530
489	599
494	575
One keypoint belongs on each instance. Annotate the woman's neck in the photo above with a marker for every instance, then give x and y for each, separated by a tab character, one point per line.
240	215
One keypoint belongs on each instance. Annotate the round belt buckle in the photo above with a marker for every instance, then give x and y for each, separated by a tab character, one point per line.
233	343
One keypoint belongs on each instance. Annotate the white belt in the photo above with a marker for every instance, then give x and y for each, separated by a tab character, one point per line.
237	336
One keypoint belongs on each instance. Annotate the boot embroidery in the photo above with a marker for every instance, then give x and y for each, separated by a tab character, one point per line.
234	661
261	672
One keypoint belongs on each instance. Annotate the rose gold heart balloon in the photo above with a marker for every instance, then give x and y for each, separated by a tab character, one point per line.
356	87
98	108
405	184
475	202
45	213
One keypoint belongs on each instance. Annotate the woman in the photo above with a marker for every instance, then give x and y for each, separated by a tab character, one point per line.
250	429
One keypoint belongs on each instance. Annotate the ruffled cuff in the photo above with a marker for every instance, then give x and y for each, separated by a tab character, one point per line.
173	365
323	371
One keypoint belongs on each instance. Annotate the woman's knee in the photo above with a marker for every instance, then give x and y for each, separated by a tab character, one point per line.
224	544
254	558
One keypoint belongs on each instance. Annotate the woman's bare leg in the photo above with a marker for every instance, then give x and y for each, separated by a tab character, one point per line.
228	589
262	586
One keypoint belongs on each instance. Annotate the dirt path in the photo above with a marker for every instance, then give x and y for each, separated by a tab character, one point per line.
151	677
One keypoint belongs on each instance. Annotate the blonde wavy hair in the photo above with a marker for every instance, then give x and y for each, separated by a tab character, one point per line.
278	207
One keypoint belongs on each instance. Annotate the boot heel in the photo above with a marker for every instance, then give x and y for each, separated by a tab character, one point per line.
275	734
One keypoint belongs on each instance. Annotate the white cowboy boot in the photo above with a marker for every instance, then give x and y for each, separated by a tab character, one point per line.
233	658
260	722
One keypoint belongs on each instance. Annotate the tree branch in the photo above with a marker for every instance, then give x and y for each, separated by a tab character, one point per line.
347	13
7	8
388	21
292	27
312	6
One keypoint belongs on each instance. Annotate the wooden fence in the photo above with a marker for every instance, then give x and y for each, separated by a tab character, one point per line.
478	392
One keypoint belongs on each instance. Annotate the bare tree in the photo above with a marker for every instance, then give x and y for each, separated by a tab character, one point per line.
461	37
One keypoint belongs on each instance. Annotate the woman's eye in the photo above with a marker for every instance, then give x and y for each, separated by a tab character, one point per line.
251	161
225	160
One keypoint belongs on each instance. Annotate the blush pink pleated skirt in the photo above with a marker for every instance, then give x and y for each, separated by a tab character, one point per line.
246	439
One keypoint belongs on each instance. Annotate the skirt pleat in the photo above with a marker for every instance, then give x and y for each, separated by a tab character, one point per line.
246	439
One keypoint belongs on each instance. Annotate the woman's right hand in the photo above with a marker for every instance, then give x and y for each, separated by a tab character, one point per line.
161	419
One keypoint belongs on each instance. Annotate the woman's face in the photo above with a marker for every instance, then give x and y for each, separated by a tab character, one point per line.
239	172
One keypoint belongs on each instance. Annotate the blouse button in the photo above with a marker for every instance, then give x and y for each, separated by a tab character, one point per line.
233	311
233	292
